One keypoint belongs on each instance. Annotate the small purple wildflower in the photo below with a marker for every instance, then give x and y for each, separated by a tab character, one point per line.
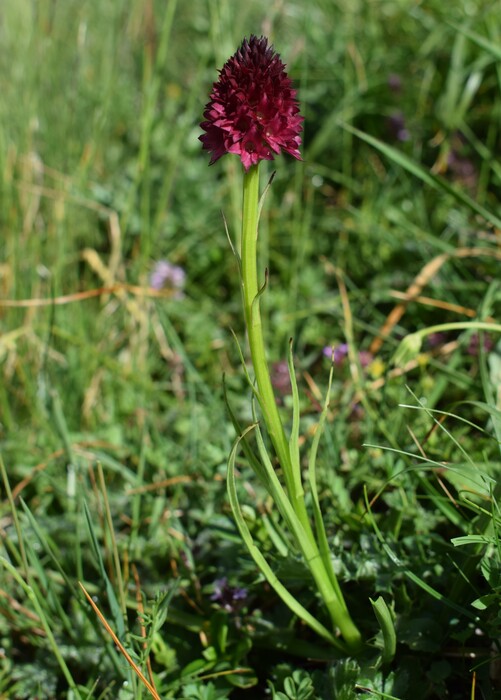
462	168
397	128
230	598
280	378
365	358
394	82
356	412
165	275
336	353
436	340
473	348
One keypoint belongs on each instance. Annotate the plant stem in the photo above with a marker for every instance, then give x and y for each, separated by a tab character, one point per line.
326	581
459	326
250	289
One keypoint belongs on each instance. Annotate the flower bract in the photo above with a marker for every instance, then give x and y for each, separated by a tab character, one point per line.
253	111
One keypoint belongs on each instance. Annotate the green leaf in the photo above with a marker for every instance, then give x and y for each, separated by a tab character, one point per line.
385	619
294	436
261	562
219	630
472	539
485	601
323	543
480	40
112	599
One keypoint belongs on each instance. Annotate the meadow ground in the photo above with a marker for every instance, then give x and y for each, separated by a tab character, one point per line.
118	297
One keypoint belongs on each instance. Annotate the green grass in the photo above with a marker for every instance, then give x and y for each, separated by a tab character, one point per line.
114	433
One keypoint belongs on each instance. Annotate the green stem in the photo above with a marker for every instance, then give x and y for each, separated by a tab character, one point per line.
459	326
330	593
250	289
411	345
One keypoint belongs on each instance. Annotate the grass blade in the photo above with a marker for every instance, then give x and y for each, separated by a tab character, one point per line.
291	602
45	624
112	599
434	181
385	619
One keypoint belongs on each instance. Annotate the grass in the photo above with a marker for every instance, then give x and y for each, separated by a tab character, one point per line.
113	427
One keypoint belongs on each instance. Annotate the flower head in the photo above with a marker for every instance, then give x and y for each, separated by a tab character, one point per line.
229	597
336	353
253	110
397	127
395	82
166	275
474	346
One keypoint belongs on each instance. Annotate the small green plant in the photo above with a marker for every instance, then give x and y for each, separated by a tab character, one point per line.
298	686
195	691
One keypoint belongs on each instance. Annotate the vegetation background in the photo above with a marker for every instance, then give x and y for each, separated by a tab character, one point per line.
113	427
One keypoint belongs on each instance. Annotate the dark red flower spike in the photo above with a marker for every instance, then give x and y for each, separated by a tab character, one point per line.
253	111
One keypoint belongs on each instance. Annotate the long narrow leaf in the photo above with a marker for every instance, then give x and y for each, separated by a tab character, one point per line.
263	196
244	366
112	599
291	602
254	462
119	644
385	619
281	500
15	519
294	437
50	596
424	175
323	543
443	504
480	40
28	590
